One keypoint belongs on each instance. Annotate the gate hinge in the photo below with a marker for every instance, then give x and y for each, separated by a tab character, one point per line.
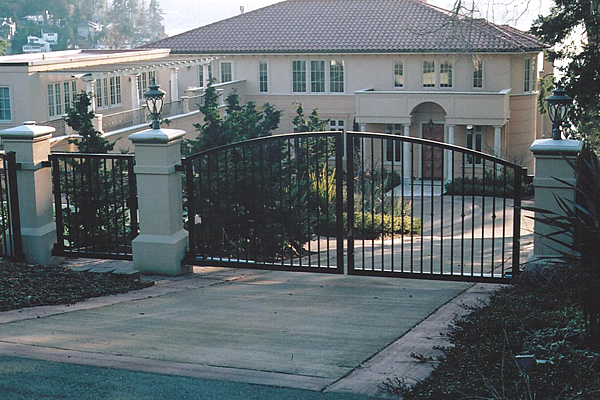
46	164
179	168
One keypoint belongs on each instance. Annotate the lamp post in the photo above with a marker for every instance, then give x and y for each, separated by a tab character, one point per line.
558	105
154	100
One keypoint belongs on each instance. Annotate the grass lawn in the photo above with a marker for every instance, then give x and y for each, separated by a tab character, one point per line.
25	285
541	315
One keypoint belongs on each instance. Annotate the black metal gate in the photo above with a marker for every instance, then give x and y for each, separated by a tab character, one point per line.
95	202
290	202
10	237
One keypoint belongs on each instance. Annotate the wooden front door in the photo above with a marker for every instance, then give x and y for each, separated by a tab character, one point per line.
433	166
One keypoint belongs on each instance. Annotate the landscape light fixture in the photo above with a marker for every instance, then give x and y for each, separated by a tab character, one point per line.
558	106
154	101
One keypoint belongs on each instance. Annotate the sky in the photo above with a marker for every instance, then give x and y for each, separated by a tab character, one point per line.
183	15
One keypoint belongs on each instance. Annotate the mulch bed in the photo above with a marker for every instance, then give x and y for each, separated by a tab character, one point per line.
25	285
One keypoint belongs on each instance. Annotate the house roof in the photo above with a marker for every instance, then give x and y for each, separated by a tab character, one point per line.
349	26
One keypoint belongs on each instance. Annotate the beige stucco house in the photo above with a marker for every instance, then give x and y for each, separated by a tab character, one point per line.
380	66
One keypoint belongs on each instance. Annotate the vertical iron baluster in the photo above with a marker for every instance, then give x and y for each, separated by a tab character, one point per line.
60	243
396	143
364	195
339	199
442	214
452	215
412	209
504	196
493	218
382	207
517	221
462	229
191	206
473	217
13	204
350	138
483	199
317	196
433	151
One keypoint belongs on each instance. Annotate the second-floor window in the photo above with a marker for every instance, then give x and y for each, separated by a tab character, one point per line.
428	73
108	91
336	76
5	109
61	96
298	76
263	76
477	73
144	80
201	74
226	72
527	75
446	74
398	74
317	76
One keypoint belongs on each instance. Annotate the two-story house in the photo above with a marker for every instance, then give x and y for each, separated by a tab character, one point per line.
399	66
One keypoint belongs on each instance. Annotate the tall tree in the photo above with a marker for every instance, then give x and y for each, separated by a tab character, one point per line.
573	26
80	118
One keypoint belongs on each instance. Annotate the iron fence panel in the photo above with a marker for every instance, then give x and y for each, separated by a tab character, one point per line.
95	204
10	222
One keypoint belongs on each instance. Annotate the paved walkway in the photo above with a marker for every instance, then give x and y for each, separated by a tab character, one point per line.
322	333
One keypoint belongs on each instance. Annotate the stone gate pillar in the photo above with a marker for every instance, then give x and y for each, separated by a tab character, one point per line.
31	143
160	246
551	166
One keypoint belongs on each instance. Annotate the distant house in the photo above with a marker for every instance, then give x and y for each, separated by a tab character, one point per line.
399	66
36	45
50	37
8	28
88	29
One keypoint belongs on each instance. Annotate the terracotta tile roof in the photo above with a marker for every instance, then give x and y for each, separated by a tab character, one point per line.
349	26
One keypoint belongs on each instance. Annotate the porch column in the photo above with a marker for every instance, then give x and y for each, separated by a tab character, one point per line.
551	164
406	164
90	89
174	85
205	75
160	246
31	143
497	141
449	165
134	87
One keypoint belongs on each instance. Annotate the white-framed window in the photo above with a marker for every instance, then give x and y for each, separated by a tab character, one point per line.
477	73
108	91
398	74
446	74
51	105
428	73
5	108
393	148
226	71
317	76
336	76
201	74
527	75
474	141
69	94
534	74
263	76
337	125
298	76
144	80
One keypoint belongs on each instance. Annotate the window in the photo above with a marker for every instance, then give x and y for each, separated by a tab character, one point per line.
317	76
533	74
70	94
398	74
5	112
393	148
144	80
226	72
474	142
336	76
263	77
58	98
477	73
108	91
337	125
298	76
527	77
446	74
428	73
51	106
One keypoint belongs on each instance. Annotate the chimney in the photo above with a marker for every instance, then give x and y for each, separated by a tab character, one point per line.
241	9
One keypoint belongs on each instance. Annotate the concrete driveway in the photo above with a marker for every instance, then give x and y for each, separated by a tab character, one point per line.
284	329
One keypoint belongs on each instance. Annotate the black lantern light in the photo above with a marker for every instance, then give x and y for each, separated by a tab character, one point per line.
558	106
154	100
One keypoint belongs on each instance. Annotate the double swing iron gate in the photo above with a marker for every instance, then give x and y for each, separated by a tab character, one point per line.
378	204
11	246
95	204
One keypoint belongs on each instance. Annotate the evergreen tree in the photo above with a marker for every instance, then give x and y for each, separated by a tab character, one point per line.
80	118
314	123
573	26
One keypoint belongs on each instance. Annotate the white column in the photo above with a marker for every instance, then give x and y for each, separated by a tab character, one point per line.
38	229
204	75
498	141
406	161
449	165
134	87
160	246
174	85
89	89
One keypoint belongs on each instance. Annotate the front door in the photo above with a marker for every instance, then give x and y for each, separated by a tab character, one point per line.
433	167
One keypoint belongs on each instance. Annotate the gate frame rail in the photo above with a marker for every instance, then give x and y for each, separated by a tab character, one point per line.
15	249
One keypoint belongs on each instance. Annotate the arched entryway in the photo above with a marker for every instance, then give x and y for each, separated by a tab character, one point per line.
430	118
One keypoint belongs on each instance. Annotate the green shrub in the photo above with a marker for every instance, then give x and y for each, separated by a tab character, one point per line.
369	225
494	185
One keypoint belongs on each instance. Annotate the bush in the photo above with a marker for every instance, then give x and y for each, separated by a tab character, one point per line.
494	185
371	226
